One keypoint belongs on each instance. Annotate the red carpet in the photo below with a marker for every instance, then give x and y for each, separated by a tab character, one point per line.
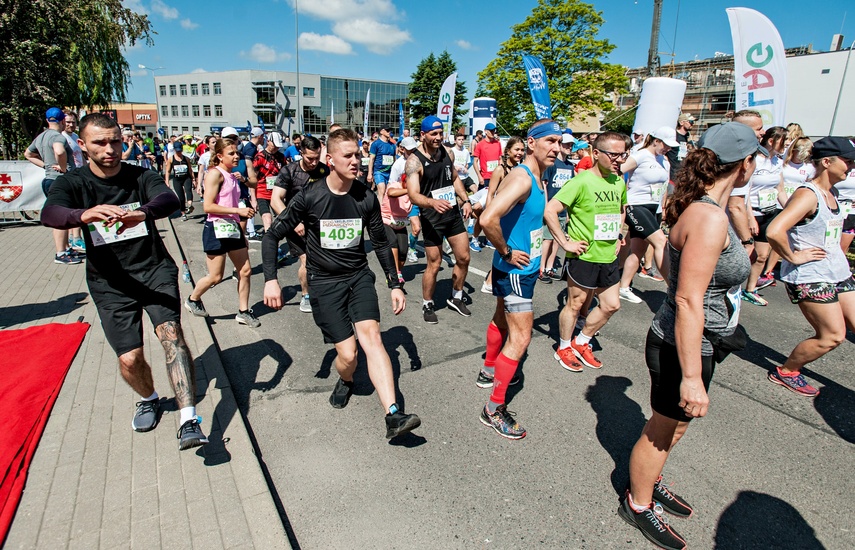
33	365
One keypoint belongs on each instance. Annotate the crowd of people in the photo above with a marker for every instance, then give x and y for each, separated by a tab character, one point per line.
709	219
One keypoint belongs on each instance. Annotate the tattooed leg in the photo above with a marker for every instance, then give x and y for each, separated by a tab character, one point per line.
136	372
179	363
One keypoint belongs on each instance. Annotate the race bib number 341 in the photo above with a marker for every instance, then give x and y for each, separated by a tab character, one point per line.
338	234
606	227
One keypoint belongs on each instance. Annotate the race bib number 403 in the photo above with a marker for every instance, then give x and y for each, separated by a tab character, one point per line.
102	235
338	234
606	227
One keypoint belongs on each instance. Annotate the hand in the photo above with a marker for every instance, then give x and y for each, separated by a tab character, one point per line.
693	397
102	212
246	212
399	301
519	259
300	230
577	248
807	255
620	243
754	226
467	210
370	178
57	168
254	204
272	295
441	206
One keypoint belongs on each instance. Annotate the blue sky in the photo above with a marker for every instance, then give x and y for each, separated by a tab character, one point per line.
385	39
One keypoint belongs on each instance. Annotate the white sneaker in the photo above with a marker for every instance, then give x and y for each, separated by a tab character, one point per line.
305	304
412	257
486	289
628	295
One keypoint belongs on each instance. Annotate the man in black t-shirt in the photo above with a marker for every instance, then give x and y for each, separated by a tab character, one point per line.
334	213
128	268
434	186
676	154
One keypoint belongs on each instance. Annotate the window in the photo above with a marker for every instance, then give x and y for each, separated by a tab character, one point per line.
183	89
290	90
175	129
162	91
826	71
206	110
164	110
185	111
195	110
194	89
184	129
173	90
308	92
206	89
268	117
175	110
217	88
218	110
265	96
195	130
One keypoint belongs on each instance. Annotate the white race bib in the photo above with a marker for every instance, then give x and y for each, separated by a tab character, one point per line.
388	160
767	198
656	191
734	296
398	223
536	243
833	229
108	235
271	182
338	234
444	194
683	151
225	228
789	190
180	170
562	176
606	227
845	207
492	165
365	161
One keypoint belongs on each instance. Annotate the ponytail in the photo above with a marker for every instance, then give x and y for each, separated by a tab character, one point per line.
700	170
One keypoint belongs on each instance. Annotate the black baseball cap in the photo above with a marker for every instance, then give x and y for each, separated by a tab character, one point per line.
832	146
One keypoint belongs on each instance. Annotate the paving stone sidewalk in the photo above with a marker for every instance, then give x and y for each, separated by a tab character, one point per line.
93	482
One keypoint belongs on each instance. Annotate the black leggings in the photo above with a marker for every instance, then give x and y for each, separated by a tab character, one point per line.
184	189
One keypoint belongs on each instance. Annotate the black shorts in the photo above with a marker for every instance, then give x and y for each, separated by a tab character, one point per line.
296	244
666	376
448	225
398	238
643	220
217	247
338	305
590	275
849	224
763	221
121	311
264	206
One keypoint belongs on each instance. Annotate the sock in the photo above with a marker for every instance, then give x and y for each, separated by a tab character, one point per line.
427	302
635	507
782	373
152	397
413	241
581	339
491	407
243	311
562	343
457	294
393	408
495	339
187	414
505	370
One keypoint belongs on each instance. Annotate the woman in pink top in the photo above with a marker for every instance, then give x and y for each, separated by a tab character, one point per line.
222	234
395	209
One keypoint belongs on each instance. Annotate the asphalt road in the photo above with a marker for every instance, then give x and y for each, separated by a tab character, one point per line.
765	469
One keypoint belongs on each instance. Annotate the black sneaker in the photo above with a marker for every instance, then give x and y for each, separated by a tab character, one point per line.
341	394
652	525
257	236
146	416
458	306
429	314
190	435
670	502
400	423
486	381
544	278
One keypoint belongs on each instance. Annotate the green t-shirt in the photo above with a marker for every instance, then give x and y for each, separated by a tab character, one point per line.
594	214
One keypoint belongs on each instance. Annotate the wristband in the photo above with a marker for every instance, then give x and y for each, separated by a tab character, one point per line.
750	240
507	257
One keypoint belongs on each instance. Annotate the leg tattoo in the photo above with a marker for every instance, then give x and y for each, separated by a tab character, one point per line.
179	363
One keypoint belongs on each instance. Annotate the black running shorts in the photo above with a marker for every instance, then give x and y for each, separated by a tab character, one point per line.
666	376
643	220
763	221
449	225
399	239
217	247
337	305
590	275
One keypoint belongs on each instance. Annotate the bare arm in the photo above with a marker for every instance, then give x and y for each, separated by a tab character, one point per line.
460	190
518	189
413	169
167	168
495	179
33	156
61	157
628	166
739	217
550	216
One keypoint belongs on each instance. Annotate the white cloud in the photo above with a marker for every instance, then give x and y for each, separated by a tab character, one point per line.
140	72
341	10
160	8
135	5
262	53
189	25
378	37
199	70
328	43
463	44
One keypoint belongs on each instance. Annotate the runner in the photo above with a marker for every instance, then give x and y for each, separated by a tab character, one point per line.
246	178
707	266
583	152
555	177
204	163
434	187
222	235
395	206
334	212
846	188
513	154
595	214
737	205
807	236
649	172
291	179
128	268
381	156
178	167
487	155
268	162
75	237
514	223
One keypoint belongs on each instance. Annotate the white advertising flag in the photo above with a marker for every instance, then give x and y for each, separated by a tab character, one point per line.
445	105
760	68
365	121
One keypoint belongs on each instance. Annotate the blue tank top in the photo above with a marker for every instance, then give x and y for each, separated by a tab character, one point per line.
522	228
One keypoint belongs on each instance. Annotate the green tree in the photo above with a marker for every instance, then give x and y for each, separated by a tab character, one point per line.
563	35
430	73
67	53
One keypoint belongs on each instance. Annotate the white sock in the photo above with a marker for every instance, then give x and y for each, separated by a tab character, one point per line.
581	339
427	302
563	344
457	294
152	397
187	414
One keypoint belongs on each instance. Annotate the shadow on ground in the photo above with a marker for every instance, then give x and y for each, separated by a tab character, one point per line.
757	520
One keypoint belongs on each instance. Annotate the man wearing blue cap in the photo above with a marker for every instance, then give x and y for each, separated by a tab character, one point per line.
434	186
51	151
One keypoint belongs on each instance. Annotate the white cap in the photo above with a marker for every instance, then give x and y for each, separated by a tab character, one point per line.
409	143
567	138
228	131
276	138
256	132
667	134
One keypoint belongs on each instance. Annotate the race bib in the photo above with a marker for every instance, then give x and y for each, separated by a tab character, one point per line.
271	182
789	190
536	243
845	207
297	157
606	227
562	176
102	235
180	170
833	229
365	161
767	198
338	234
492	165
734	298
656	191
398	223
226	228
683	151
444	194
388	160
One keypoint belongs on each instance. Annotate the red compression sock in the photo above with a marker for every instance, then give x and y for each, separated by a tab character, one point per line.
505	370
495	339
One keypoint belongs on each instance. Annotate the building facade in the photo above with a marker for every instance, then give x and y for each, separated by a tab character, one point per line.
136	116
202	103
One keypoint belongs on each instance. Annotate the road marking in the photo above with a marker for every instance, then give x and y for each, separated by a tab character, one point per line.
450	259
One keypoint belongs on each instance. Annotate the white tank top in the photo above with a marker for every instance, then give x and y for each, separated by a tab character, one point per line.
767	175
796	174
649	180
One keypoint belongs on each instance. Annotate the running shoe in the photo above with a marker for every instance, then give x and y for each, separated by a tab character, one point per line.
146	416
412	257
248	319
486	289
554	274
400	423
753	298
341	394
796	383
488	244
651	273
486	381
585	354
184	219
66	259
257	236
568	360
190	209
75	254
544	278
628	295
305	304
503	422
457	305
670	502
77	244
429	314
652	524
474	246
195	307
190	435
767	279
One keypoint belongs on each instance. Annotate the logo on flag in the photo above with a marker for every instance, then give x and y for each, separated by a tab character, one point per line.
536	77
11	186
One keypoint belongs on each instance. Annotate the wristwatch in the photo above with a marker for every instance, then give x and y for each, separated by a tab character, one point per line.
750	240
507	257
